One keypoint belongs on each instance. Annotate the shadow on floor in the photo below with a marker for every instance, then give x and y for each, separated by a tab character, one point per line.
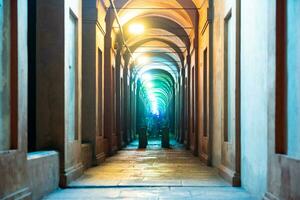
155	144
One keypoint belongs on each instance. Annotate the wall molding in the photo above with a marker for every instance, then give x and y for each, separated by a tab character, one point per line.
20	194
270	196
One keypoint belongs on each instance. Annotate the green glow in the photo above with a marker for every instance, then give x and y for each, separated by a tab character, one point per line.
150	85
156	74
157	89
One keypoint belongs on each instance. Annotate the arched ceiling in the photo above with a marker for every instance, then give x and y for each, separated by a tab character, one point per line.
128	9
161	61
155	45
157	90
168	33
156	23
168	26
157	34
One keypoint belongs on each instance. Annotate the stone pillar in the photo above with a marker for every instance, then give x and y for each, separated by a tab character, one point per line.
108	88
165	138
58	69
126	123
119	103
92	75
196	91
143	140
133	112
188	102
13	184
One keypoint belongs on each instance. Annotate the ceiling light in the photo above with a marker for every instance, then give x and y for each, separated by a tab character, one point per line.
154	109
142	60
136	29
146	77
152	98
149	85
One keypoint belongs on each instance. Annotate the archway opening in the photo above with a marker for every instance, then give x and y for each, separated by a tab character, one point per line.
156	104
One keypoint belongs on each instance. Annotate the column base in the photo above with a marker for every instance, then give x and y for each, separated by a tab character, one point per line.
204	158
71	174
100	158
114	150
269	196
231	176
23	194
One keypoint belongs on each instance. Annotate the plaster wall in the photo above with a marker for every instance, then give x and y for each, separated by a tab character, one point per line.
53	116
43	173
50	93
254	95
70	76
218	37
100	34
283	170
93	46
224	152
192	105
4	74
86	155
203	45
231	73
254	92
293	87
73	163
108	86
89	68
13	162
73	57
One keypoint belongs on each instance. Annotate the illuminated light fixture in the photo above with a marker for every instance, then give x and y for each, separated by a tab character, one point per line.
154	109
142	60
149	85
152	98
136	29
146	77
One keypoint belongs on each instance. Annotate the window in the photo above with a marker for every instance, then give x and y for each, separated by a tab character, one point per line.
8	75
229	79
205	94
71	82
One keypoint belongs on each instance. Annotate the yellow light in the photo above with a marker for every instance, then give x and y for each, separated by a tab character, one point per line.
136	29
143	60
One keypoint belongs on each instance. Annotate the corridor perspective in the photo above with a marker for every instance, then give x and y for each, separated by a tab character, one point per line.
149	99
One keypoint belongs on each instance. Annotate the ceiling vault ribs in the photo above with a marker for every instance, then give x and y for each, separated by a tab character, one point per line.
155	8
160	43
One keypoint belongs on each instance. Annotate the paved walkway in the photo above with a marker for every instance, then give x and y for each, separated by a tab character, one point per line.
152	193
151	174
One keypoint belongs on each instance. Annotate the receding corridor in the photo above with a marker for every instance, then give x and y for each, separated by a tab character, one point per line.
149	99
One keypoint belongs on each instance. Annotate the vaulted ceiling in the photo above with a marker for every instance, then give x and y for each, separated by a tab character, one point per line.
166	39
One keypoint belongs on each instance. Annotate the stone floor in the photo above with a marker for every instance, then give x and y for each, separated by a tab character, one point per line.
152	193
151	174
